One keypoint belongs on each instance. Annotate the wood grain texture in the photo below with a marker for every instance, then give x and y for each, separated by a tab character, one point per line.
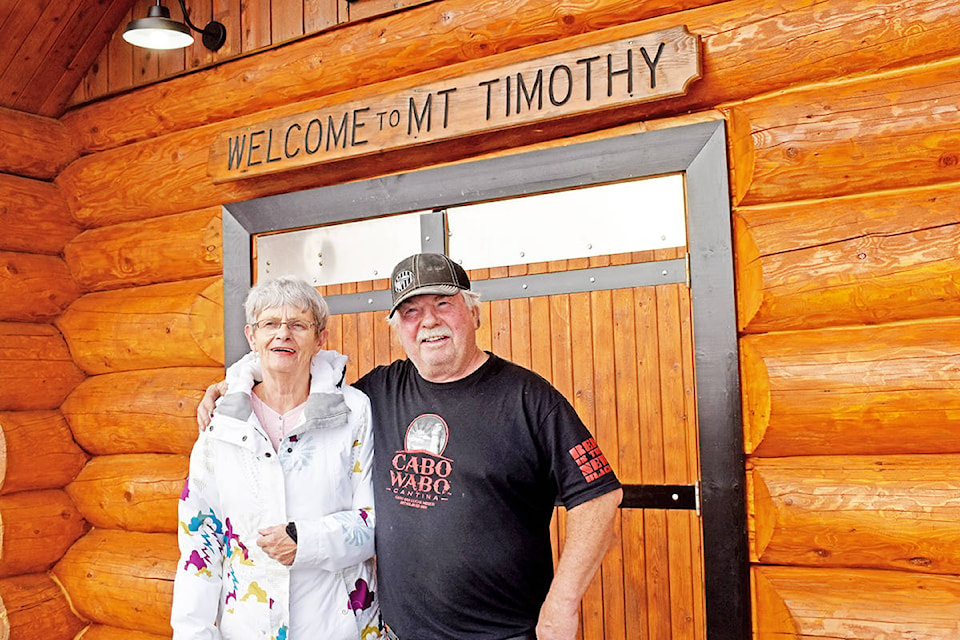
360	9
95	81
34	606
340	60
172	178
228	13
34	146
134	492
37	527
255	24
590	346
829	80
105	632
161	325
47	47
34	287
169	174
854	604
121	578
77	49
893	512
34	216
166	249
36	370
37	451
147	411
866	390
17	75
146	62
321	14
850	136
119	67
865	259
460	107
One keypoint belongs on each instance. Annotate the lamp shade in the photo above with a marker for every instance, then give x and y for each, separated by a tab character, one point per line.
158	31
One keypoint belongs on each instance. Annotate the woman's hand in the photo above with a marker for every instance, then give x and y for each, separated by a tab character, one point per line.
277	544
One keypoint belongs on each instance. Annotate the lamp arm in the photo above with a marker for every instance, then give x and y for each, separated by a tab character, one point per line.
214	34
186	17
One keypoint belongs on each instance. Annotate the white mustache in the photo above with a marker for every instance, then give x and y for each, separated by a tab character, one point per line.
430	335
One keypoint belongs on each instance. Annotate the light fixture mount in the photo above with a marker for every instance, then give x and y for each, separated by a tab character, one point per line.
159	31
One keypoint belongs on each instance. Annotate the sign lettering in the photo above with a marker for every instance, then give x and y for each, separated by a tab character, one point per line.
631	70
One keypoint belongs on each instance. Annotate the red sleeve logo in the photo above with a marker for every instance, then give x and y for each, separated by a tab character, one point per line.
593	464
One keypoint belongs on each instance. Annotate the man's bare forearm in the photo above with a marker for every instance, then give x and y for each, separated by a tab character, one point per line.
589	533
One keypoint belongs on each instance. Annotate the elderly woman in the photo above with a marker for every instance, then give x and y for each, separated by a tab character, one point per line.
276	517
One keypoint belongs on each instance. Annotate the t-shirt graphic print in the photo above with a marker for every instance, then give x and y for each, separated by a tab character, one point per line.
419	474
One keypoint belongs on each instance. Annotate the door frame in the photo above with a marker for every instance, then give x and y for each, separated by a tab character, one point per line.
699	151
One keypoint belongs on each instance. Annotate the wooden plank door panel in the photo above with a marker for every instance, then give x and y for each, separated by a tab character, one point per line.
624	359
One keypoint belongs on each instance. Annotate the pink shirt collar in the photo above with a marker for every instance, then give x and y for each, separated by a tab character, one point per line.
275	424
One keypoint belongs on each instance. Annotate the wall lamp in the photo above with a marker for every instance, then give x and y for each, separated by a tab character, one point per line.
158	31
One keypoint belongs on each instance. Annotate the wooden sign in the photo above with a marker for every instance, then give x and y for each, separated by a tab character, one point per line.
627	71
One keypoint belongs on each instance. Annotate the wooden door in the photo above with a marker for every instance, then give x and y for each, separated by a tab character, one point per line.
622	352
624	358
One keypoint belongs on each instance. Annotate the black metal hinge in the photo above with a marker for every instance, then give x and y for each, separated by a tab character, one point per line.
660	496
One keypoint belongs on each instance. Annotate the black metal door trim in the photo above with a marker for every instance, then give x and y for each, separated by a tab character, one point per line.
700	152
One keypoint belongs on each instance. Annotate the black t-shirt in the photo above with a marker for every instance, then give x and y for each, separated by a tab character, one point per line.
466	475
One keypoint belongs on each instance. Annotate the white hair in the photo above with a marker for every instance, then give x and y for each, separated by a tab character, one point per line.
286	290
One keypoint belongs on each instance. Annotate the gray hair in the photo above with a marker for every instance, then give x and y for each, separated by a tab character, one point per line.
470	297
286	290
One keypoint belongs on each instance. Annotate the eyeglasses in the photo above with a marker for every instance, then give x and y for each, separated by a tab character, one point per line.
272	325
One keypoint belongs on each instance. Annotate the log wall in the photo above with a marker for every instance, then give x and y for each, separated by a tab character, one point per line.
845	223
36	607
844	150
38	455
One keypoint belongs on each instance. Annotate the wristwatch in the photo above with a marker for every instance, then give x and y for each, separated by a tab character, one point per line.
292	531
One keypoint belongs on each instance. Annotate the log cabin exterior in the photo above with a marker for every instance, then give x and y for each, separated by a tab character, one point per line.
841	132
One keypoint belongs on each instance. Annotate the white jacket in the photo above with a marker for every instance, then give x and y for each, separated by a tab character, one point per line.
226	587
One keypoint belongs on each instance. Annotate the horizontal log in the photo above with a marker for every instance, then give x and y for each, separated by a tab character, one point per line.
33	146
747	50
829	604
894	512
375	8
122	578
37	528
846	261
103	632
36	370
867	390
37	451
34	288
868	134
34	606
155	187
136	492
294	72
149	411
161	325
164	249
34	216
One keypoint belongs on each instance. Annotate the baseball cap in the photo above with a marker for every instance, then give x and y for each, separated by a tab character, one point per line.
426	273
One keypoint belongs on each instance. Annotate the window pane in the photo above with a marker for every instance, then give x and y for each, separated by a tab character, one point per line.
616	218
349	252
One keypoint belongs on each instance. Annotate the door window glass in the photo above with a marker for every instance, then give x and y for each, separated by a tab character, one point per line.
639	215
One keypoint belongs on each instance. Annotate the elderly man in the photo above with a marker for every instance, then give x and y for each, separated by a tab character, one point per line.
472	453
